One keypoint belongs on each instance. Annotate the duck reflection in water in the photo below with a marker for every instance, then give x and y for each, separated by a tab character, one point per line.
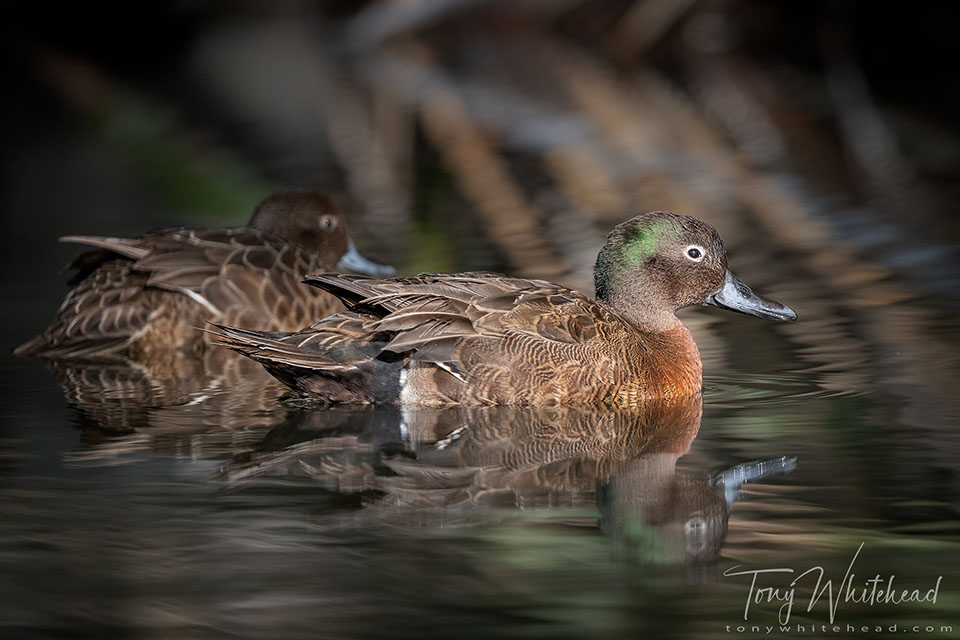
449	466
457	463
210	407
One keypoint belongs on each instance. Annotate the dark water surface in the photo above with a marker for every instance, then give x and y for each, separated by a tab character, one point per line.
196	506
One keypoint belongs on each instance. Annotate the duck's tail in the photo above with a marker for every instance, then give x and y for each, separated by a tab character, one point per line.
266	347
34	347
311	371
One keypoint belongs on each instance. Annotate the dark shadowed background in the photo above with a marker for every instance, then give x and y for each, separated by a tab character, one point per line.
506	135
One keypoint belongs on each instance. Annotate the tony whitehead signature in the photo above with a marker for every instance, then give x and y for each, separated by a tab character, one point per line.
876	590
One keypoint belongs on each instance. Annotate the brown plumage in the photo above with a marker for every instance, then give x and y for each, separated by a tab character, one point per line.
143	298
483	338
473	339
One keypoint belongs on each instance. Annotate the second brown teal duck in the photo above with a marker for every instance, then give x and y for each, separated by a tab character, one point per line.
144	298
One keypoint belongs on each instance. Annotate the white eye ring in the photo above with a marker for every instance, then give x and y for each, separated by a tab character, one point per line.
695	253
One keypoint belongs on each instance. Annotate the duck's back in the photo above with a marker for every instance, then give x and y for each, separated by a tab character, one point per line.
147	296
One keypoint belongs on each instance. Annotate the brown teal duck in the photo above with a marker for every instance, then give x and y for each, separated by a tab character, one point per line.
143	298
485	339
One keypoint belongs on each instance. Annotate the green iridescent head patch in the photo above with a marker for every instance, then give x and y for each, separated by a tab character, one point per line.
645	243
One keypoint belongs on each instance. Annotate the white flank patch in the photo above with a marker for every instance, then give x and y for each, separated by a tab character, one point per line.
404	399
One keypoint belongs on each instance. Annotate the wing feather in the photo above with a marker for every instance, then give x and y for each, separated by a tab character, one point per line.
127	247
430	317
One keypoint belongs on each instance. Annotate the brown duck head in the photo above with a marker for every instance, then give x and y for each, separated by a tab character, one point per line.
659	262
312	221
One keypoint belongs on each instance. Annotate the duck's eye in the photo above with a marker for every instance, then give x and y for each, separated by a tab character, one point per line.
695	253
326	222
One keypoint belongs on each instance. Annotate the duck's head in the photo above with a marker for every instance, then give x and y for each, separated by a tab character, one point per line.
312	221
656	263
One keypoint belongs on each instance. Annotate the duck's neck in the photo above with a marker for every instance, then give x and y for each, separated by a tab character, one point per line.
676	351
640	296
647	316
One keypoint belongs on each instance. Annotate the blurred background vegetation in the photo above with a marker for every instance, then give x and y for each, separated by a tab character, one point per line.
493	134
